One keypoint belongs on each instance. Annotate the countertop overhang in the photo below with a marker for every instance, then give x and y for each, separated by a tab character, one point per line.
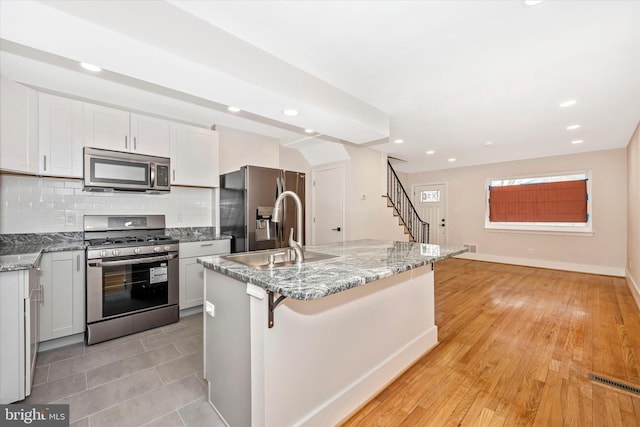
357	263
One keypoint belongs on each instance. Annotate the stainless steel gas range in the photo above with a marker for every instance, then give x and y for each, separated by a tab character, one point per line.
132	275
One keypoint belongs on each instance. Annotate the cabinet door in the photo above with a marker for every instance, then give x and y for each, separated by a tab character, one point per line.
18	127
192	273
60	136
106	128
150	135
62	280
194	156
192	283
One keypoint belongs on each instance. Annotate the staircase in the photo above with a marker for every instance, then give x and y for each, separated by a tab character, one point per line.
408	217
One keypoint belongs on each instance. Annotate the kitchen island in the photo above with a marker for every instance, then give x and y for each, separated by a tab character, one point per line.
307	344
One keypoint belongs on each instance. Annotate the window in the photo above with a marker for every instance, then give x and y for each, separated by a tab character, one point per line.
558	202
430	196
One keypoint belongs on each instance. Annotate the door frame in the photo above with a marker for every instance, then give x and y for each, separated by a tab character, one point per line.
446	202
314	171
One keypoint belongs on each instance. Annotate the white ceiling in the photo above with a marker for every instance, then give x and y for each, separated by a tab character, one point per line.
446	76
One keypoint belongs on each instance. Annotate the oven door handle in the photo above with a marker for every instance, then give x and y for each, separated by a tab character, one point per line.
132	261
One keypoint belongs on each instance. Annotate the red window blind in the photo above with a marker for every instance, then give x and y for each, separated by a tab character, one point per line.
547	202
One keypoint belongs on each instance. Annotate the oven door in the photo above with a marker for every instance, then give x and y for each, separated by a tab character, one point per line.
123	285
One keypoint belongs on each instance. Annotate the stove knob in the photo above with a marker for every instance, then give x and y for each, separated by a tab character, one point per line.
167	248
104	253
115	252
136	251
157	249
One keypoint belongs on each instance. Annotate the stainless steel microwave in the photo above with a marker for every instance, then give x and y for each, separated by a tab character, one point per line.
106	170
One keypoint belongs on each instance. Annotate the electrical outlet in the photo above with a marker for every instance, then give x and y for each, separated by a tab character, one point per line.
179	218
210	309
69	218
530	251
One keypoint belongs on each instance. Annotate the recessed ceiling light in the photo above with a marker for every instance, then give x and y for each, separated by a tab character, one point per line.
531	3
451	160
398	141
430	152
573	127
290	112
233	109
488	144
90	67
577	141
309	130
567	103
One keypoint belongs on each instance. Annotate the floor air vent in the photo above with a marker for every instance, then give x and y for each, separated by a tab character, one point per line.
615	383
471	248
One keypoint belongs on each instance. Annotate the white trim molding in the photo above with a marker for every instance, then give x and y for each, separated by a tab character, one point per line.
634	287
543	263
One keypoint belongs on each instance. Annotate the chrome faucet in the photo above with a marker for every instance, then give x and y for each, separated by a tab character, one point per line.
295	245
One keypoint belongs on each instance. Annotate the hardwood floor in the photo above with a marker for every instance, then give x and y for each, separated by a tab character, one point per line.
516	347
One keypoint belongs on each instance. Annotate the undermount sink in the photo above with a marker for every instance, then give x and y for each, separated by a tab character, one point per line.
261	260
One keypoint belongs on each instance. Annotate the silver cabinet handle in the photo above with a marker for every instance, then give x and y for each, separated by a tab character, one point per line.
45	162
174	174
41	294
135	143
125	142
204	245
78	262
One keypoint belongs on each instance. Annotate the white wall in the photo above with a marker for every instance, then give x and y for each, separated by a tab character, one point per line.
369	218
239	148
633	214
30	204
602	252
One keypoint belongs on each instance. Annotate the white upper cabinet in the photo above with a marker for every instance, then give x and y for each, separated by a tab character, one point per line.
194	156
60	136
119	130
150	135
18	127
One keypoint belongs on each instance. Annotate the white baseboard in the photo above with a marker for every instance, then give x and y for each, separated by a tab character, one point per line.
191	310
60	342
541	263
634	287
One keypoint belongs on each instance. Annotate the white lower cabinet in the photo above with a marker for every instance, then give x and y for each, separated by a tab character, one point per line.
62	281
19	310
192	273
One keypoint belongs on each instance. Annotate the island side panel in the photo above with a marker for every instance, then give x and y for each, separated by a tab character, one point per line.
228	349
326	357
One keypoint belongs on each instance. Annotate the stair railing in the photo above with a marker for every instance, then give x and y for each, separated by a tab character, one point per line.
418	229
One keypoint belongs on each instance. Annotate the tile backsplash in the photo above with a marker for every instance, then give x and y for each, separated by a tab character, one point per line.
31	204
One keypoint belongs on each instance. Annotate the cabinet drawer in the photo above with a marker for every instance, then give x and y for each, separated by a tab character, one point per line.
204	248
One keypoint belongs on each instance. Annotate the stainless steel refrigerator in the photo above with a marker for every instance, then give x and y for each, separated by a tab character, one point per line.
247	199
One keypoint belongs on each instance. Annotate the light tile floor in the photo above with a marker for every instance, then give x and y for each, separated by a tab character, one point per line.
153	378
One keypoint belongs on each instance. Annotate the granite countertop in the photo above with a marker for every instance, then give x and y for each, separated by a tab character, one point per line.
356	263
23	251
195	234
24	256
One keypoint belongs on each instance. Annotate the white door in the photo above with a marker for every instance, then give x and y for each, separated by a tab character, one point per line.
328	205
430	201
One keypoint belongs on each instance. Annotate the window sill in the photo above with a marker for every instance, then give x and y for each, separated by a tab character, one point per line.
551	232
